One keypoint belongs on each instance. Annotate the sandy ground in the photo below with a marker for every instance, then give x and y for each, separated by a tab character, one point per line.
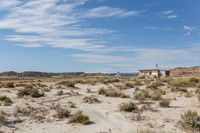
105	116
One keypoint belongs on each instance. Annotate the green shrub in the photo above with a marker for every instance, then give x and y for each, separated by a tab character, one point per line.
164	103
79	117
190	119
128	107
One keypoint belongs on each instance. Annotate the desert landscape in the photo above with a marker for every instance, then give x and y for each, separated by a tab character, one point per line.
99	66
100	104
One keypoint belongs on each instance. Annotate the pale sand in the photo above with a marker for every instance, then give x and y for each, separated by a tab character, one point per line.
105	116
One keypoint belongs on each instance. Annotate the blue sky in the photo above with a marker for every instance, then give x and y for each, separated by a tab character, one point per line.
98	35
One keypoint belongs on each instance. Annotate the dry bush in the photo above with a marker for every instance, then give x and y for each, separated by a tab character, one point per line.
79	117
110	80
30	92
191	120
138	83
120	87
128	107
129	84
90	99
111	92
164	102
62	113
141	95
67	84
156	85
157	95
7	101
179	89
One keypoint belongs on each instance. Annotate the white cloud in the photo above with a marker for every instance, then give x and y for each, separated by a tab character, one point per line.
56	23
188	29
104	11
168	14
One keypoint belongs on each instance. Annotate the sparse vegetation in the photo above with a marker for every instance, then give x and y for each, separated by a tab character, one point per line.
7	101
191	120
67	84
141	95
62	113
128	107
79	117
155	85
157	95
90	99
9	85
111	92
30	92
129	84
164	102
185	82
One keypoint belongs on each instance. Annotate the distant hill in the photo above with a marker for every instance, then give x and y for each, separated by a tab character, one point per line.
184	70
46	74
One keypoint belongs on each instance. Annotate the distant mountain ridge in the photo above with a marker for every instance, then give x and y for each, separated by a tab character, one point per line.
185	70
46	74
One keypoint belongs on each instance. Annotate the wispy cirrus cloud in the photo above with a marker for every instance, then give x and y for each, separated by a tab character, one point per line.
56	23
168	14
105	11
